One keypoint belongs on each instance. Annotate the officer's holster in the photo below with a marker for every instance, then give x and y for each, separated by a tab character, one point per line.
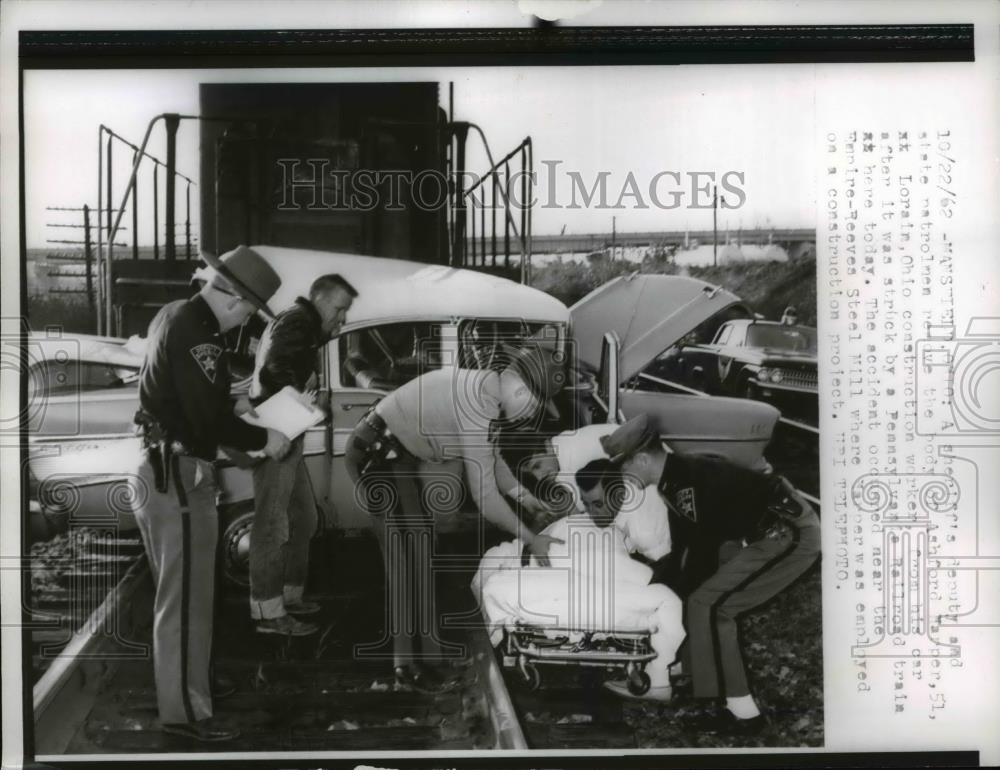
371	446
158	446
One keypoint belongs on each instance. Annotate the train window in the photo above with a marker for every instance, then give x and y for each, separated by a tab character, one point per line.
387	356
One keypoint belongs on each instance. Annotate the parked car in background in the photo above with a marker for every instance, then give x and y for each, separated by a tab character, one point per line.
82	392
412	318
751	358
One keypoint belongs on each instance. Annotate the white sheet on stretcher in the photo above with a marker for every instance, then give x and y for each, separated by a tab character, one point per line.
592	584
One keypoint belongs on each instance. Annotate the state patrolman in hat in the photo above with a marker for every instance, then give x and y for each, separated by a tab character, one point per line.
449	413
712	501
186	413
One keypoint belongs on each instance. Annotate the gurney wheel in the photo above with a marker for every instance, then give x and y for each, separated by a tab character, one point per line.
532	677
638	681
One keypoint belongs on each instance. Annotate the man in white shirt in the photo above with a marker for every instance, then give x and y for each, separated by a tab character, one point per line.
565	454
638	513
641	514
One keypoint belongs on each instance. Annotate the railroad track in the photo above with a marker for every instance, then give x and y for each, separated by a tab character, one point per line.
72	574
312	694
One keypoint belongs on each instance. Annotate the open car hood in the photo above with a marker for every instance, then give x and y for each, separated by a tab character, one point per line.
648	312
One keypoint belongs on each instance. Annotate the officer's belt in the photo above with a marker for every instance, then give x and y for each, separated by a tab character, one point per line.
778	516
377	442
161	448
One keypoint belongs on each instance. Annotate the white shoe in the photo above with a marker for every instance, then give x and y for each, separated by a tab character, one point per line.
663	694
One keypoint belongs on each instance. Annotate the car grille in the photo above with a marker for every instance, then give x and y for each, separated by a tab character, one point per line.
799	378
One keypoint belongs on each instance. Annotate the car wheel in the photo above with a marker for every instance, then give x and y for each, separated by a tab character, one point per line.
235	547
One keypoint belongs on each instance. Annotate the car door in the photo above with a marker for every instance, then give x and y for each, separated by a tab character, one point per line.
721	378
606	393
362	366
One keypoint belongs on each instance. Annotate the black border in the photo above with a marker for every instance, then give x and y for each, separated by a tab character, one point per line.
541	46
734	760
562	46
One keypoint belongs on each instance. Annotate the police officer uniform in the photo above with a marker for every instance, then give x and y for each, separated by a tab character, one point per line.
711	502
186	412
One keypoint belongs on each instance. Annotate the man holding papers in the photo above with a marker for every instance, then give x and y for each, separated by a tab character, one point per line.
284	507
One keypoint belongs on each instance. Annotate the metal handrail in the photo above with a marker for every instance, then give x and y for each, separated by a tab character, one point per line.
153	158
106	251
523	233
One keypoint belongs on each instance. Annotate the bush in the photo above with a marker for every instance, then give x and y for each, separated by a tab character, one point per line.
70	315
768	287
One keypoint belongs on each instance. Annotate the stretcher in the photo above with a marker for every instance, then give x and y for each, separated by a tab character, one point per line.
527	647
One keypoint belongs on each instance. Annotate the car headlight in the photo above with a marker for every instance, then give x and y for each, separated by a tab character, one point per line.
776	375
763	373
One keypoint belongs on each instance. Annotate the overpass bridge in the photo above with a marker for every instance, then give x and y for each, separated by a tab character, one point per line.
787	238
546	244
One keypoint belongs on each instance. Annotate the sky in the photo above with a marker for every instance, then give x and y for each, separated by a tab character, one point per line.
757	121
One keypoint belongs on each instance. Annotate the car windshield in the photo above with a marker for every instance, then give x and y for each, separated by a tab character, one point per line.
799	339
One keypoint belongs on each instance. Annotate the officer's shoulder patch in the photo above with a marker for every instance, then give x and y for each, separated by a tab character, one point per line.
207	356
684	499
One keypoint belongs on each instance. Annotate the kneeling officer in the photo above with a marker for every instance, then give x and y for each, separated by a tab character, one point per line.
185	413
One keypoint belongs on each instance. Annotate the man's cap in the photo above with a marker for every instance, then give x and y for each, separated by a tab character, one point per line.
629	438
248	273
542	370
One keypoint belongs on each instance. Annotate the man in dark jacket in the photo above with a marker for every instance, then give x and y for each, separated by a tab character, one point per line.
713	502
285	510
185	414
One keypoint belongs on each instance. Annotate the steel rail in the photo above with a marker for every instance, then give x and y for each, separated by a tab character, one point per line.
64	694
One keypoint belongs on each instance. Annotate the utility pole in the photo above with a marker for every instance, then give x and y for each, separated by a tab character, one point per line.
715	226
613	233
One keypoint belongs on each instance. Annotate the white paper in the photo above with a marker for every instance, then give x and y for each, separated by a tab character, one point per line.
286	413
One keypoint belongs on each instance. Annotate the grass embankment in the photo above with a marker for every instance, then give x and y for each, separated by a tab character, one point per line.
768	287
68	315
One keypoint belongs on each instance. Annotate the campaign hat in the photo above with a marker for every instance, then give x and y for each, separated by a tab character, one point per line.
249	275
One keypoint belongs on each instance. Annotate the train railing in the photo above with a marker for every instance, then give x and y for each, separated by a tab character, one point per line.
503	192
109	223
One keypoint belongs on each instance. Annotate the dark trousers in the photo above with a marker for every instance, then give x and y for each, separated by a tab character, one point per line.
284	523
390	492
751	577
